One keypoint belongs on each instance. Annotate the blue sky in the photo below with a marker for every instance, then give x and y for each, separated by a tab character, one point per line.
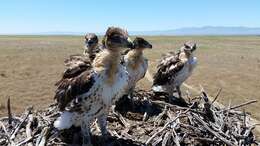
34	16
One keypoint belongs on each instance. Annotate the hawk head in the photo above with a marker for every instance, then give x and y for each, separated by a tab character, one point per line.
141	43
91	40
189	47
116	37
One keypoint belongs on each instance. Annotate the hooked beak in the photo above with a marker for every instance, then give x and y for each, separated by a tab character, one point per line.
150	46
194	48
130	43
90	43
190	48
87	44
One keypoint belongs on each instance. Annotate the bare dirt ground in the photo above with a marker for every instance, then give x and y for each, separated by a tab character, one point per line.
30	65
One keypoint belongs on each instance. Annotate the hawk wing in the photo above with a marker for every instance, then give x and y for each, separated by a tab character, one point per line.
122	59
76	64
169	65
78	78
145	66
98	49
95	51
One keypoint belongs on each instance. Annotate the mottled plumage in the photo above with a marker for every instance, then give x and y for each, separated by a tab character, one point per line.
75	81
89	94
167	68
78	63
174	69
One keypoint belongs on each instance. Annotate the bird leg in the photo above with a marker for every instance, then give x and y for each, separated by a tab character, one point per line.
86	133
177	100
131	93
179	91
102	123
131	96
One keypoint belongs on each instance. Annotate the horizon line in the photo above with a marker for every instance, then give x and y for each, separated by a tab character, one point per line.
77	33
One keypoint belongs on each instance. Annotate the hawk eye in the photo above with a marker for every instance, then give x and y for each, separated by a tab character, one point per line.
116	37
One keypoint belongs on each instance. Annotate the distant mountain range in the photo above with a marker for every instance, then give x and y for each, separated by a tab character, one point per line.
207	30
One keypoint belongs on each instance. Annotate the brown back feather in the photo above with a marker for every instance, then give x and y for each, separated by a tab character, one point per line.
164	72
77	79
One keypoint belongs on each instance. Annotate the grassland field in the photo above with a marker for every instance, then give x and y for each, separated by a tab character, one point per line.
30	65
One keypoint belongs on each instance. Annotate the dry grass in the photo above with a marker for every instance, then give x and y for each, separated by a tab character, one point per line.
30	65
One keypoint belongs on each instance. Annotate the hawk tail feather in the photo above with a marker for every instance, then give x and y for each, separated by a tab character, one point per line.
65	121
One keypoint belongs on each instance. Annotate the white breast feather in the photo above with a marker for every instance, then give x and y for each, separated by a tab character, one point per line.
137	74
107	95
186	71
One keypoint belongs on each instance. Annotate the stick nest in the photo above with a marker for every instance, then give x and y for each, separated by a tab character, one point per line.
148	119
